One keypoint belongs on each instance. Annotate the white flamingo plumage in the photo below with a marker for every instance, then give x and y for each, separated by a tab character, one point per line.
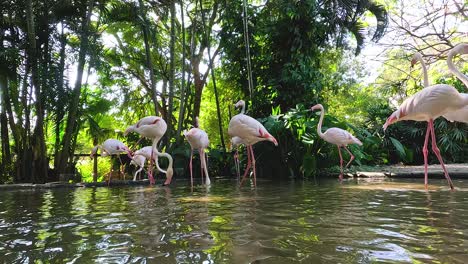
153	127
112	147
460	115
198	140
337	136
250	131
138	161
427	105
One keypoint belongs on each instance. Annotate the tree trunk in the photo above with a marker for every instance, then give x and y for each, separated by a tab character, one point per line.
75	98
149	61
39	155
95	161
172	72
211	68
59	105
6	155
182	87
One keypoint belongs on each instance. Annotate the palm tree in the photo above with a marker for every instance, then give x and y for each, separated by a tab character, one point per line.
346	17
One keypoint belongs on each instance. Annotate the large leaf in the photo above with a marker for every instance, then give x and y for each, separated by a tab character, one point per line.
399	147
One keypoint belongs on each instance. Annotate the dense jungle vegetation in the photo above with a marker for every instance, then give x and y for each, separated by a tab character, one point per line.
76	72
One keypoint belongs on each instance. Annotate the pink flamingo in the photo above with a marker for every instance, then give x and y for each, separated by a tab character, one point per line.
460	115
337	136
153	127
147	153
250	131
198	140
235	143
138	161
427	105
112	147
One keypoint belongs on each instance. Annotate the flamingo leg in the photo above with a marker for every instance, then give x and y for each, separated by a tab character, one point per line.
201	164
110	174
120	168
150	169
190	165
203	160
341	163
249	164
436	151
236	161
253	165
351	155
425	152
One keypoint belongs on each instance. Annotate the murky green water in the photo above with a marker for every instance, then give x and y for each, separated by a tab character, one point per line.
309	222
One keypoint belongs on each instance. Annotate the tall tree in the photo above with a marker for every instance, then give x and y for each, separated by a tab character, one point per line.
75	97
172	72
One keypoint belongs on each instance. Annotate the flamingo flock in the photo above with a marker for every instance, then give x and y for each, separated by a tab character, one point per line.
426	105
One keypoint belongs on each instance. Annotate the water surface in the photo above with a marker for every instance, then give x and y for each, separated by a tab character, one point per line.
311	222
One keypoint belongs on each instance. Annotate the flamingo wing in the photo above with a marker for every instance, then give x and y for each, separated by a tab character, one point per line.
460	115
340	137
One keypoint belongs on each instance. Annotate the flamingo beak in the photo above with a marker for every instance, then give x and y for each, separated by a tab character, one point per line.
272	139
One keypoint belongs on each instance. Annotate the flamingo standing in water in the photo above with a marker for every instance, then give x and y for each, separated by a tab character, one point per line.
337	136
235	143
427	105
153	127
112	147
198	140
250	131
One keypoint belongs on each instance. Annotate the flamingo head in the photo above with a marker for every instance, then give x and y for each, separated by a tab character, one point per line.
416	57
461	48
267	136
93	151
240	103
315	107
169	174
129	130
393	118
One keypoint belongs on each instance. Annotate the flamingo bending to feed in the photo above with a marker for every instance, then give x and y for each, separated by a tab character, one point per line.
112	147
427	105
198	140
250	131
235	143
460	115
138	161
337	136
153	127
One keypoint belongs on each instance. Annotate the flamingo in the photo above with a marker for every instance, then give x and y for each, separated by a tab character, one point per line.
250	131
460	115
235	143
112	147
153	127
337	136
138	161
427	105
198	140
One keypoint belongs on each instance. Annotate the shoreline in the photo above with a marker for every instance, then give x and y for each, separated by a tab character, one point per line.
456	171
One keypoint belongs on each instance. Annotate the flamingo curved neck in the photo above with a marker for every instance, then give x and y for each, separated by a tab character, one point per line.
319	126
243	109
454	70
424	71
162	154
